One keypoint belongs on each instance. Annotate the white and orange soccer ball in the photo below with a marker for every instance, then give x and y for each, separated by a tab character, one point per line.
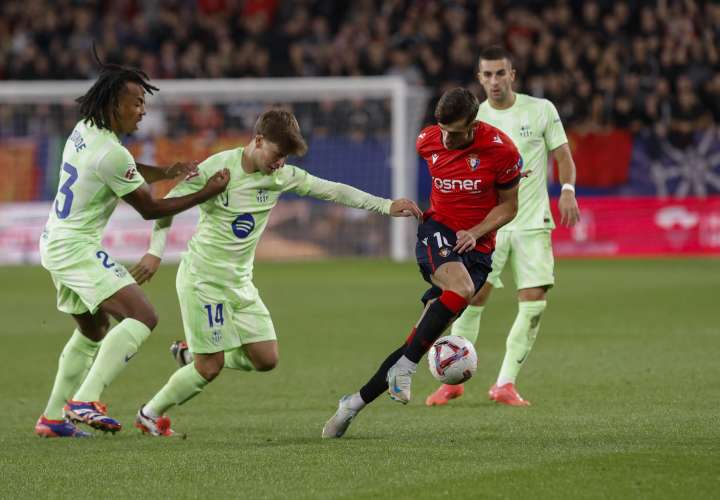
452	359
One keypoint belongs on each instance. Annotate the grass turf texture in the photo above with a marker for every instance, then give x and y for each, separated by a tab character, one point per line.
624	381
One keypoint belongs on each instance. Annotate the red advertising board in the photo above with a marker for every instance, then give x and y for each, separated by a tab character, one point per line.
640	226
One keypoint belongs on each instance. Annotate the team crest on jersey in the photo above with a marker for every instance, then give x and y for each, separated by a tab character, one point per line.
262	196
444	252
525	130
130	174
473	162
216	337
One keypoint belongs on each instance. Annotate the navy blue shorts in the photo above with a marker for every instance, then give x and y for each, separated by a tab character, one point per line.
434	248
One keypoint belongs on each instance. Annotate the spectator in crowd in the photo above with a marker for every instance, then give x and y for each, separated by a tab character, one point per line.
619	64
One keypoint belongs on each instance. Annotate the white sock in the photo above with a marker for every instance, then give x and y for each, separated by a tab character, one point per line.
149	411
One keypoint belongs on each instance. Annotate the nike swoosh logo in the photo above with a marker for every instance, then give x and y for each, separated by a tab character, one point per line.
522	359
128	357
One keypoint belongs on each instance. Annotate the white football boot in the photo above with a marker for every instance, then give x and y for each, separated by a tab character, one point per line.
340	421
159	426
399	380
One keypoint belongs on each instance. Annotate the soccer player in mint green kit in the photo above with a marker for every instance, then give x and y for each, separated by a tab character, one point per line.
96	172
535	127
226	323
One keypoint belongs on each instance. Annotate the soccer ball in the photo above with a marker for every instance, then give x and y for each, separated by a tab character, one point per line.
452	359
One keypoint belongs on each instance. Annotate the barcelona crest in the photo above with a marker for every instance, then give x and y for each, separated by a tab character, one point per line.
473	162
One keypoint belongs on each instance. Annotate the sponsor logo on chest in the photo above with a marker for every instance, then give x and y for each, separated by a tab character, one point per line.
457	185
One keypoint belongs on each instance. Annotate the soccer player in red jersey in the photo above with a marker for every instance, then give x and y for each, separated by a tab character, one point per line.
475	170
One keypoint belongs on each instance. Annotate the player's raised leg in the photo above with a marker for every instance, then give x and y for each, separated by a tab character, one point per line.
136	318
466	325
395	372
457	289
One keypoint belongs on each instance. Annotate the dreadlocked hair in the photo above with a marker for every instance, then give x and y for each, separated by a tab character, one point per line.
98	103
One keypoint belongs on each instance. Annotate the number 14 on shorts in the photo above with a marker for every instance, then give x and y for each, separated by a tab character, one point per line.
218	314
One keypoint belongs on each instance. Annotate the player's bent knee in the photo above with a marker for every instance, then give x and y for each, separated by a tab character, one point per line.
209	371
148	317
464	290
265	364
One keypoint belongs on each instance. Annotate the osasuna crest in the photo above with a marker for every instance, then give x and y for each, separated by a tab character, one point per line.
473	162
444	252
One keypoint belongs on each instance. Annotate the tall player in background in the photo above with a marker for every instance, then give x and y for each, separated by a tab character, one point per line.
96	172
535	127
226	322
475	171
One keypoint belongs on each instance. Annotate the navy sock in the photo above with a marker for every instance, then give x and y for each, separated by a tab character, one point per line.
378	382
436	320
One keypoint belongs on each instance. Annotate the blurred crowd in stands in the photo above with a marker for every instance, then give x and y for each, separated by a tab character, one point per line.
635	64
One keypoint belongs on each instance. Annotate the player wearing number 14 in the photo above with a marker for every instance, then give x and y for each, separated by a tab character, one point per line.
226	322
96	172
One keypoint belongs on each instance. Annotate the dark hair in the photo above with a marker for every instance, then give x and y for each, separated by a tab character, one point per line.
456	104
495	53
98	103
281	127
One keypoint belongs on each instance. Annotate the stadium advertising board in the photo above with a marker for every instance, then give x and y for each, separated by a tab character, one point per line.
641	226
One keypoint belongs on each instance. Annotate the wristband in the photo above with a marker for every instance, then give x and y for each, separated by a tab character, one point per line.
567	187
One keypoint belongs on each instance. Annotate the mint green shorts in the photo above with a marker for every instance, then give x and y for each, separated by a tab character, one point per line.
220	318
84	275
530	256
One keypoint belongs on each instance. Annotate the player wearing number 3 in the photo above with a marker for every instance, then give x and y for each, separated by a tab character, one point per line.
226	322
96	172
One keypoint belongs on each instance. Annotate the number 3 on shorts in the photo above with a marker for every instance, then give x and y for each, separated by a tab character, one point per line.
218	314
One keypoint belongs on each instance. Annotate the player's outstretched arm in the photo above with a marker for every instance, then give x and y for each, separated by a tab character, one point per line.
153	174
501	214
355	198
402	207
567	204
150	208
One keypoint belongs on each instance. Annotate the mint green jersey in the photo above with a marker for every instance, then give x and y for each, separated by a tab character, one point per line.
222	250
96	172
535	127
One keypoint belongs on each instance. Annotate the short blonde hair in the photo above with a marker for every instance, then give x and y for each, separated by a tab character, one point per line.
281	127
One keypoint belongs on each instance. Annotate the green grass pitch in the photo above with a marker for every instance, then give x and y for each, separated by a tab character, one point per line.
624	381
